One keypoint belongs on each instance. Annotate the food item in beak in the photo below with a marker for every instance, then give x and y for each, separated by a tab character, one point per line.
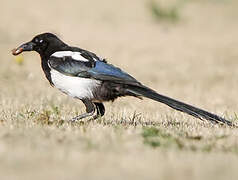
17	51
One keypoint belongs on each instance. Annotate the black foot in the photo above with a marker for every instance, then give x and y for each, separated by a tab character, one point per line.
82	116
90	110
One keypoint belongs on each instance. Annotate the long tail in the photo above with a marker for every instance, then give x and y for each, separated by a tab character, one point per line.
178	105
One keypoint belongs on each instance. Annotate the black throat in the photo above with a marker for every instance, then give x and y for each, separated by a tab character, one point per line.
46	68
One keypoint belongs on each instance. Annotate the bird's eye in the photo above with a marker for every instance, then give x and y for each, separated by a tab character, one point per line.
41	41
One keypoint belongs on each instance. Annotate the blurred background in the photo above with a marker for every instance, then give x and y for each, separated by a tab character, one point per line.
185	49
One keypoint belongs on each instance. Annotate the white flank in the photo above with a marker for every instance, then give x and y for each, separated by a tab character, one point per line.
74	86
75	55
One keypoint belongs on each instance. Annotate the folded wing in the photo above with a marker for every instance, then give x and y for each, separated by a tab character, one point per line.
72	65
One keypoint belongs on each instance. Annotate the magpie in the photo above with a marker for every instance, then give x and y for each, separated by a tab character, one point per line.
83	75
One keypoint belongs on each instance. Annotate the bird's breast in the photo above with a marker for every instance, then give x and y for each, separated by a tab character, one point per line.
74	86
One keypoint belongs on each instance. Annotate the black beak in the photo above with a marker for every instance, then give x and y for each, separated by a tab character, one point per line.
24	47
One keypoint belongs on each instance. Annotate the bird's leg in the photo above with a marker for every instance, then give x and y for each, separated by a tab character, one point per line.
100	110
90	109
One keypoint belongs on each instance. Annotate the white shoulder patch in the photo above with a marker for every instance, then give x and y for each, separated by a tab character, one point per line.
74	55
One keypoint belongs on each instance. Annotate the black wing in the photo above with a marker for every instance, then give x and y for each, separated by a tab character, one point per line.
90	66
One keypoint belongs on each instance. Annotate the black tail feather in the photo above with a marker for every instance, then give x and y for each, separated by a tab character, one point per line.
175	104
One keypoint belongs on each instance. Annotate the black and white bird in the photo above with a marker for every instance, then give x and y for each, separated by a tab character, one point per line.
83	75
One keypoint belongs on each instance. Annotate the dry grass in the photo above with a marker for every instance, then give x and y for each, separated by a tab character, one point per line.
193	60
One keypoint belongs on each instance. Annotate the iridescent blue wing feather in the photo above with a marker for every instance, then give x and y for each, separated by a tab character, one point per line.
97	69
108	72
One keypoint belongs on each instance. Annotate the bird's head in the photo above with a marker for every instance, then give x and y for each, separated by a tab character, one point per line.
46	43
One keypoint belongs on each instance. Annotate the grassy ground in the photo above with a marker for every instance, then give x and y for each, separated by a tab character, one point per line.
192	58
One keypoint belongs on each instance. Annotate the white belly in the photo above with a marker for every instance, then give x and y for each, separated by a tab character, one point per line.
74	86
